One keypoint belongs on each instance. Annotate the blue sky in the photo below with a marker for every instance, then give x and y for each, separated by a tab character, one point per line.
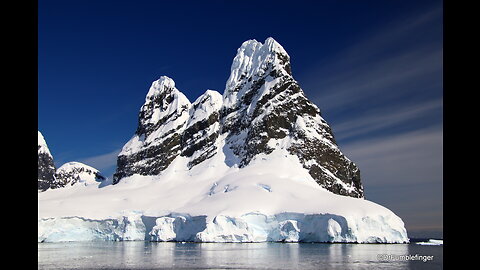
373	67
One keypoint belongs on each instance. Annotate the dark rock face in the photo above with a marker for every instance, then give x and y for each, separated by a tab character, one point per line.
157	140
46	171
263	108
199	138
170	126
273	106
46	167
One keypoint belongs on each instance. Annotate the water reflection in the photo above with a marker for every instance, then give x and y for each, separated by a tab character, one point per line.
151	255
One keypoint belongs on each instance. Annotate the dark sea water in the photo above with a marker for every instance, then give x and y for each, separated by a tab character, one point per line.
153	255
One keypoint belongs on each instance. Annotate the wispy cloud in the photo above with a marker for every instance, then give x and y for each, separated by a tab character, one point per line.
406	158
384	38
404	172
385	79
103	162
375	120
386	65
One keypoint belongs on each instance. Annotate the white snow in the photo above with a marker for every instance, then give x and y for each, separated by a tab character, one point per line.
211	101
272	199
158	86
251	59
43	148
84	173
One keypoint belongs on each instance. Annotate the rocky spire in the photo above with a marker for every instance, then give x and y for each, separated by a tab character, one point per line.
161	122
265	108
203	127
46	167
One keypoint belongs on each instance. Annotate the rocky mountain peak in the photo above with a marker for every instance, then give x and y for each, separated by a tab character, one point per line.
163	84
46	167
262	108
164	104
170	126
253	61
206	104
42	145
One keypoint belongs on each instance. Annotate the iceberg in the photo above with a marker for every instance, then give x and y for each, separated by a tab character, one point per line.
431	242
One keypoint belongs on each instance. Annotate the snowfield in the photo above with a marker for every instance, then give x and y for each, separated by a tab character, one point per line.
272	199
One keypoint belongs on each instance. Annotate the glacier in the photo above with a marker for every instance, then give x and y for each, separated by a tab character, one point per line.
249	227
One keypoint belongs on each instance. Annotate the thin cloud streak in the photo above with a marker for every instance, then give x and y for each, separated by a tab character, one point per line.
386	36
407	165
387	79
395	61
407	158
378	120
102	162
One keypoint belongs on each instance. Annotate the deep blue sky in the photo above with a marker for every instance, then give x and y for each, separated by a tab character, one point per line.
373	67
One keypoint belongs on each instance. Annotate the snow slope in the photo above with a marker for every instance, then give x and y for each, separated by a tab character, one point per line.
272	199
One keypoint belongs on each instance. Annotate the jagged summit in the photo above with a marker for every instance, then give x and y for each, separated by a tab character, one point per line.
262	109
168	127
265	108
254	59
164	83
205	105
42	145
165	108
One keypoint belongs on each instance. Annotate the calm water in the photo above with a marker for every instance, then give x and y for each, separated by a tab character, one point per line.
152	255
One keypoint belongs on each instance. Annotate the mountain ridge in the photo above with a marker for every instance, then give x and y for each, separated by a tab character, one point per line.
261	102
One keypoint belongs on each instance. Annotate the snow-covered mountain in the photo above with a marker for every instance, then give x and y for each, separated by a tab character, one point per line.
258	163
262	109
76	173
169	126
69	174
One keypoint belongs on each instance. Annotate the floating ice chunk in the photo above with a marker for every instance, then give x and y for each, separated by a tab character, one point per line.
431	242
